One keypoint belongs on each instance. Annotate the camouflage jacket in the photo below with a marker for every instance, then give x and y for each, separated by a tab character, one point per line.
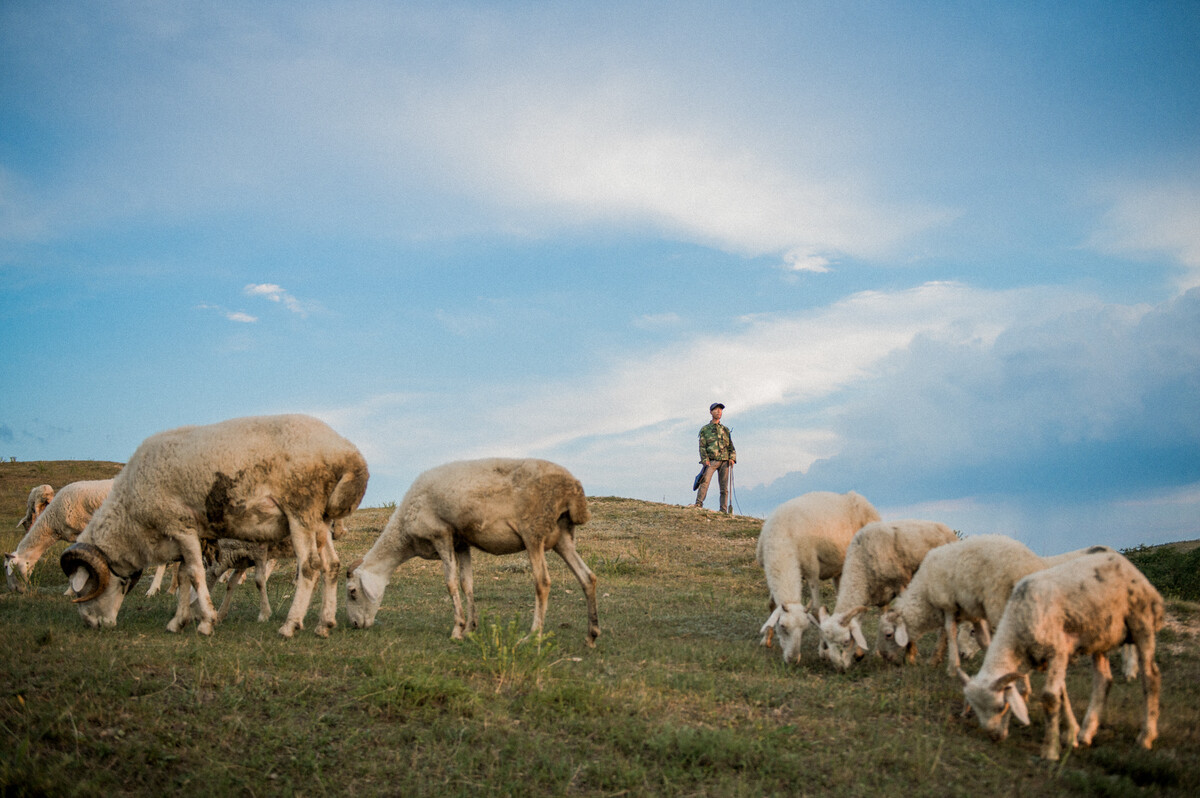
715	442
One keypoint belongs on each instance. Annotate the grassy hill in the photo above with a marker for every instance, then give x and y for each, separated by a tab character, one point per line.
677	698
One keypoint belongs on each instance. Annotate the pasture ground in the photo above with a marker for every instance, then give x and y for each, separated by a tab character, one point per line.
676	699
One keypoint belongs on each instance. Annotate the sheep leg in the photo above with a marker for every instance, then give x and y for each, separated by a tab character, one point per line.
308	565
541	583
192	572
1052	693
1101	683
262	571
445	550
230	584
330	566
1151	687
156	583
953	663
466	580
587	581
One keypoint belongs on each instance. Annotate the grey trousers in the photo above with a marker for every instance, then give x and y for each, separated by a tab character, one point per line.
721	467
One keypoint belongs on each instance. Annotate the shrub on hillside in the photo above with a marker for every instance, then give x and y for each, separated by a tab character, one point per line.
1176	574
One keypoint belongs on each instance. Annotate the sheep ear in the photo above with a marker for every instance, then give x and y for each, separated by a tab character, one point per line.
901	633
1020	711
822	614
771	621
1005	681
857	633
79	579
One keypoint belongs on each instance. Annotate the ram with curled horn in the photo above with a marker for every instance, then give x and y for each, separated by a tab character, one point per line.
263	479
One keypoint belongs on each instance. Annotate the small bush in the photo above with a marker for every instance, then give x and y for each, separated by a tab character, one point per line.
1175	574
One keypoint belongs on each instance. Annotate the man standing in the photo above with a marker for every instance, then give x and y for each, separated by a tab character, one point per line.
716	454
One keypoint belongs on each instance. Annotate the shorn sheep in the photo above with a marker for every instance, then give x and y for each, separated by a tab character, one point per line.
970	580
1086	606
500	506
880	561
38	499
261	479
805	540
62	519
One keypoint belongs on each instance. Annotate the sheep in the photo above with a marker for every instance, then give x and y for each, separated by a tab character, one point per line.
39	497
970	580
63	518
261	479
497	505
1089	605
805	539
880	561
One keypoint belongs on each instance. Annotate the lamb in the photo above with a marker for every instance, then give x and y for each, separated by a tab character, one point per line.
38	499
1089	605
228	561
261	479
805	539
970	580
497	505
880	561
63	518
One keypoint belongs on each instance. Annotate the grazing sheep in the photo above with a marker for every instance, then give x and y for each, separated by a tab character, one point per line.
970	580
62	519
880	561
1089	606
501	506
39	497
805	540
261	479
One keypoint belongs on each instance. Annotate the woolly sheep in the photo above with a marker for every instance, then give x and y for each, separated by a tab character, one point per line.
880	561
970	580
261	479
805	540
62	519
1089	605
501	506
39	497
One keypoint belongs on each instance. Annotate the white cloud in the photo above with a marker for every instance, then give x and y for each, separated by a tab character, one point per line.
276	293
242	317
1155	219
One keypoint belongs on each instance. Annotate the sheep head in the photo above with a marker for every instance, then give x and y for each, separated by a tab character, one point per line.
992	702
789	622
98	591
16	571
364	593
892	639
842	639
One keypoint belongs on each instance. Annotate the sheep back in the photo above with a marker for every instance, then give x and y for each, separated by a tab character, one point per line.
882	558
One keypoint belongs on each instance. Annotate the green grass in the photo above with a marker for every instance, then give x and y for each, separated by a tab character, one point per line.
676	699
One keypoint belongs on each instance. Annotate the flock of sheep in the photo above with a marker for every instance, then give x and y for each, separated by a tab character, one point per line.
223	498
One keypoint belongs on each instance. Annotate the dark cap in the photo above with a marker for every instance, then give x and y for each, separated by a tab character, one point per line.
714	406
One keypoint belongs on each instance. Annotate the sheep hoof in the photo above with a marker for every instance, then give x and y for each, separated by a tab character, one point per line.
289	628
322	630
205	628
175	625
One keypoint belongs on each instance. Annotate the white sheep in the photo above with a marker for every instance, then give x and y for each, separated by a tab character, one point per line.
261	479
880	561
970	580
498	505
805	540
63	519
38	499
1089	605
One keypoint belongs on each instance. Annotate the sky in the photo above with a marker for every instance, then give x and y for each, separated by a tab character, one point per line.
945	254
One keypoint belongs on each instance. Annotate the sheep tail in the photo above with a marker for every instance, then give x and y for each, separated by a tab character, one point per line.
577	506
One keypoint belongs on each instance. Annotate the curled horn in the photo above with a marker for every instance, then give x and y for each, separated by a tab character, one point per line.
91	559
352	567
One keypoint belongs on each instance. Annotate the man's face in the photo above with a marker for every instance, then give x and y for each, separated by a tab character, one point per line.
716	413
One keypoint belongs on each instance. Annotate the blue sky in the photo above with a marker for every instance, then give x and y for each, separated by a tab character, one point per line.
944	254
